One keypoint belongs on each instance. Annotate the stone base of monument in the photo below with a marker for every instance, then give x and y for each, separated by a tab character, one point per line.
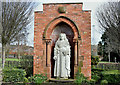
61	80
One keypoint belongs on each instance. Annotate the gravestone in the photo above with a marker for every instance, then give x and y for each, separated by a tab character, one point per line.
74	24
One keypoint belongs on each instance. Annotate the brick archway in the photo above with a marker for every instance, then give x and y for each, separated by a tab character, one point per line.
44	24
50	27
49	48
62	28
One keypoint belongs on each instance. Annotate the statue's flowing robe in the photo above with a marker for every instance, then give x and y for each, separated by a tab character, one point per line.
62	62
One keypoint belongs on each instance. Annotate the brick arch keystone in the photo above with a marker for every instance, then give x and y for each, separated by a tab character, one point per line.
50	27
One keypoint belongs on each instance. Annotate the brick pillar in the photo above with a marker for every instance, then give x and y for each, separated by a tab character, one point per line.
48	57
76	52
48	49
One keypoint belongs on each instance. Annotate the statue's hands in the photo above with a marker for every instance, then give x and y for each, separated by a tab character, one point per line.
55	57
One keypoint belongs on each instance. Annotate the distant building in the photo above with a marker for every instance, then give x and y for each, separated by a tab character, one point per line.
18	50
94	50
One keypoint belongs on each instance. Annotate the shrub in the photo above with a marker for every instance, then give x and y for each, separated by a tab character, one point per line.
31	79
92	81
104	82
38	78
113	77
12	64
96	74
26	63
26	60
80	78
26	80
96	71
13	75
94	60
96	77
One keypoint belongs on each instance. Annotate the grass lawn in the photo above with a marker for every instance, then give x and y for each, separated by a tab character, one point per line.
10	59
105	62
112	72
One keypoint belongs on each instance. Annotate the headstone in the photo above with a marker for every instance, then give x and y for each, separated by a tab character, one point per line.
115	59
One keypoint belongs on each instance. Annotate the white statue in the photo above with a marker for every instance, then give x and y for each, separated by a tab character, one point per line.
62	57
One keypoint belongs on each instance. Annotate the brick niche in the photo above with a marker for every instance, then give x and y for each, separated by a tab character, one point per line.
68	18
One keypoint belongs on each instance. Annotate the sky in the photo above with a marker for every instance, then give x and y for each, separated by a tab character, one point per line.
87	5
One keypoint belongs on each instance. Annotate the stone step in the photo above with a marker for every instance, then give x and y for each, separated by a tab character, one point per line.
53	80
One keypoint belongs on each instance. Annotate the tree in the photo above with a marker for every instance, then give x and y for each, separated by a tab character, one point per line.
108	17
20	39
100	49
16	16
104	46
0	31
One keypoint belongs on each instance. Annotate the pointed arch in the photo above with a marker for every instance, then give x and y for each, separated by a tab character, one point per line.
50	27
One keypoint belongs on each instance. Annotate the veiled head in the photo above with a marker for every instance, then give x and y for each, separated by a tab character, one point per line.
62	36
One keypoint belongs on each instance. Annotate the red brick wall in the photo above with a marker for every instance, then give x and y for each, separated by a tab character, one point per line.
42	21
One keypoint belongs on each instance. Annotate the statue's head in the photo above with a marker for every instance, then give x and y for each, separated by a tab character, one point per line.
62	36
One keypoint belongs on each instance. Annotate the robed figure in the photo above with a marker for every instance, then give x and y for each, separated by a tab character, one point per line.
62	57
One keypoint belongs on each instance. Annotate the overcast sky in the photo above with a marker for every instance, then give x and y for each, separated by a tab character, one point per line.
87	5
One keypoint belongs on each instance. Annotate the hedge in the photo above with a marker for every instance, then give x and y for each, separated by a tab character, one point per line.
12	64
38	78
104	82
26	62
108	66
13	75
113	77
94	60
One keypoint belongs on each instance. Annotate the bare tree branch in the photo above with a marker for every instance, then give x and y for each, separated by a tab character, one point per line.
16	17
108	17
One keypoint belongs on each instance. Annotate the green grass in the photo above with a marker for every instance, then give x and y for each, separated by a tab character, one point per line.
12	59
105	62
111	72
